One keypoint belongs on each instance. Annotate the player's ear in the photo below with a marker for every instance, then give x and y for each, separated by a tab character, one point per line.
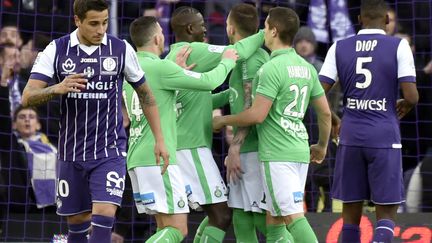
387	19
189	28
77	21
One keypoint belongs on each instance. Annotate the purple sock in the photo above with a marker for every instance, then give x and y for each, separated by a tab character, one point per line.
78	232
101	229
350	233
384	231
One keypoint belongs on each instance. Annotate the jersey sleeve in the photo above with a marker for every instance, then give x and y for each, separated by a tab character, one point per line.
132	71
251	65
268	83
176	78
317	89
43	67
328	72
220	99
405	59
248	46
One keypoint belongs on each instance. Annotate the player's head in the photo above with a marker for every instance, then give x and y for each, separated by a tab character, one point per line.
242	20
9	33
281	26
373	14
146	31
392	22
187	24
26	121
91	18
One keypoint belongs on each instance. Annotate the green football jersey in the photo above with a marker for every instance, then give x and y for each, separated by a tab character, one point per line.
290	82
194	121
164	78
245	71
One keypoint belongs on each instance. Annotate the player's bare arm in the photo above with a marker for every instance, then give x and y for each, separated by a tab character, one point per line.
150	110
321	107
254	115
37	93
335	120
411	97
232	161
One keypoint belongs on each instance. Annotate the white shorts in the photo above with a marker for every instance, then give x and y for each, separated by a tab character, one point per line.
155	193
204	183
248	192
284	184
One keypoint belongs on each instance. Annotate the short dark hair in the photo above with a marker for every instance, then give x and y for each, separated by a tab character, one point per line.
373	9
20	108
286	22
142	29
181	15
81	7
245	18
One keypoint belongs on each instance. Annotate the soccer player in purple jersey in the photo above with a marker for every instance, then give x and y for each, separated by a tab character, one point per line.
369	67
86	68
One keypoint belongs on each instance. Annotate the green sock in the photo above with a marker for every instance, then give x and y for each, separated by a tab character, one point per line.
158	229
200	230
260	222
212	234
302	231
276	233
244	229
167	234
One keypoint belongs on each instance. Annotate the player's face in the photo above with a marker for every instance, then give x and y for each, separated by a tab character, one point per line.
198	28
27	123
268	40
391	26
92	28
9	34
229	30
305	48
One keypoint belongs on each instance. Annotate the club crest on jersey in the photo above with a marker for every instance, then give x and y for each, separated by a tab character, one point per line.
218	192
109	65
181	203
68	66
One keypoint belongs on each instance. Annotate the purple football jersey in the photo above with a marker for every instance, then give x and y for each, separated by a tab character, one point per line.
369	67
91	124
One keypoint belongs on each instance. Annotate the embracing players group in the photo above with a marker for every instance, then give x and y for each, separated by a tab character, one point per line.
169	105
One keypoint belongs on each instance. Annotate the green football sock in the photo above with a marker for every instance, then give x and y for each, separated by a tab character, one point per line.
212	234
302	231
277	233
260	222
167	234
243	224
200	230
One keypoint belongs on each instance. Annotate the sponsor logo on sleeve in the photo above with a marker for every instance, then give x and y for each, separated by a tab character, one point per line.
216	48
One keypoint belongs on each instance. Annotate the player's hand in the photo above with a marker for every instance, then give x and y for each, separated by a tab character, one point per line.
72	83
182	57
233	165
218	123
317	153
161	151
230	54
402	108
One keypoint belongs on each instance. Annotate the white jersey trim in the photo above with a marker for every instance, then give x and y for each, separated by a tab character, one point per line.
132	70
329	68
405	60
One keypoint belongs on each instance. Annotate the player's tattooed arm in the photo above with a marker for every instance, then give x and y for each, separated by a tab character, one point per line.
35	96
232	161
242	132
151	112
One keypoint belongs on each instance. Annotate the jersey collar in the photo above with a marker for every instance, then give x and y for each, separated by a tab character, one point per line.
147	54
74	38
371	31
282	51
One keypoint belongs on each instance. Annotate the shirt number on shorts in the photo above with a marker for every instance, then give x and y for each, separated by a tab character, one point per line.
63	188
